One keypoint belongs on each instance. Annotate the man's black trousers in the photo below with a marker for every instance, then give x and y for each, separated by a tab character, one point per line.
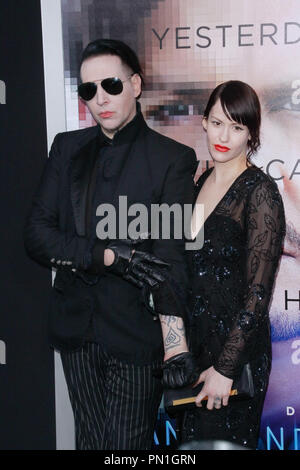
115	404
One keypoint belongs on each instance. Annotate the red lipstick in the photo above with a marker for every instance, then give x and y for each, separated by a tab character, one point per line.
220	148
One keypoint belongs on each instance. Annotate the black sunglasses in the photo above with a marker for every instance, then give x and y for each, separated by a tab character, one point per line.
112	86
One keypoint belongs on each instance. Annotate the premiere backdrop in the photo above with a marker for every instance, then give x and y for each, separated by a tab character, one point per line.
187	47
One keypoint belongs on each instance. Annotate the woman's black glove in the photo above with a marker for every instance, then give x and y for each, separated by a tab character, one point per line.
180	371
139	267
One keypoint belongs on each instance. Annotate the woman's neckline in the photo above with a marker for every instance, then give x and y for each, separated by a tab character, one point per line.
208	172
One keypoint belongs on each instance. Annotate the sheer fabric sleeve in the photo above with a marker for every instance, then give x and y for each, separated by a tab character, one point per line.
265	227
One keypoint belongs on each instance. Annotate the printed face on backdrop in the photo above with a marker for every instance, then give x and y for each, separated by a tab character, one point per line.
112	112
197	48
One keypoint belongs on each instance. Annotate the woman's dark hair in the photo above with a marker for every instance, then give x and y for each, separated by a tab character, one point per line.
240	103
113	47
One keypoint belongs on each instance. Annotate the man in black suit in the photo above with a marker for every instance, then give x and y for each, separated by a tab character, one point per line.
110	344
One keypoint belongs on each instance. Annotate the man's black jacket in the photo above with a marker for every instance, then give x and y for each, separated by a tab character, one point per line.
154	170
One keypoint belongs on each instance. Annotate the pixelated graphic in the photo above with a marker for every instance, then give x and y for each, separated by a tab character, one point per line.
86	20
170	103
186	48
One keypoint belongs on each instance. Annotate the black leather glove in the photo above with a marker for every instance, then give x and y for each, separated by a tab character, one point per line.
141	268
180	371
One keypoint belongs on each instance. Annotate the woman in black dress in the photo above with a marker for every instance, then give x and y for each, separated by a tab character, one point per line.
232	275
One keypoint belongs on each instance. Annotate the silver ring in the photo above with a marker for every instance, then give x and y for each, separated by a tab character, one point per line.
217	402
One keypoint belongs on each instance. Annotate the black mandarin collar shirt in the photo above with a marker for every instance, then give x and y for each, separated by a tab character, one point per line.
127	134
109	162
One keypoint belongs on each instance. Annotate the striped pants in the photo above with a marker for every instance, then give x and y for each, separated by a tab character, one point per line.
115	404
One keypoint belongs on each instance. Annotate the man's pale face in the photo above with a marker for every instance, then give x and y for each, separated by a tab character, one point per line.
271	69
112	112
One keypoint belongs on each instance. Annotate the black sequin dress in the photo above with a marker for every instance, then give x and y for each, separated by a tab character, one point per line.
232	277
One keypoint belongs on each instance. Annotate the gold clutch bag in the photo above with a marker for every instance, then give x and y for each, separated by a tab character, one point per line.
182	399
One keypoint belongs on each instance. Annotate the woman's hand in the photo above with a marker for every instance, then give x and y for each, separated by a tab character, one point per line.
216	387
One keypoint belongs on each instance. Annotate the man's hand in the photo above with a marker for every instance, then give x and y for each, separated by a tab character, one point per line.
180	370
141	268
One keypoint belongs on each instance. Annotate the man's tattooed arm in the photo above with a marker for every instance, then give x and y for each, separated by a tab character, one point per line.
173	335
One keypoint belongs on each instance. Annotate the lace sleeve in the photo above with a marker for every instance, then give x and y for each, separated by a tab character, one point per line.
265	226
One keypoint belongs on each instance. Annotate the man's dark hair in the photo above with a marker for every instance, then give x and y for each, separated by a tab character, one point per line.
240	103
113	47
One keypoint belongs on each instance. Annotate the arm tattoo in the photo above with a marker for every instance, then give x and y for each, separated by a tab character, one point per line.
173	331
172	339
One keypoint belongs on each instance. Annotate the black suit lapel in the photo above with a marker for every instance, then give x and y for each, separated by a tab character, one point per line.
82	164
